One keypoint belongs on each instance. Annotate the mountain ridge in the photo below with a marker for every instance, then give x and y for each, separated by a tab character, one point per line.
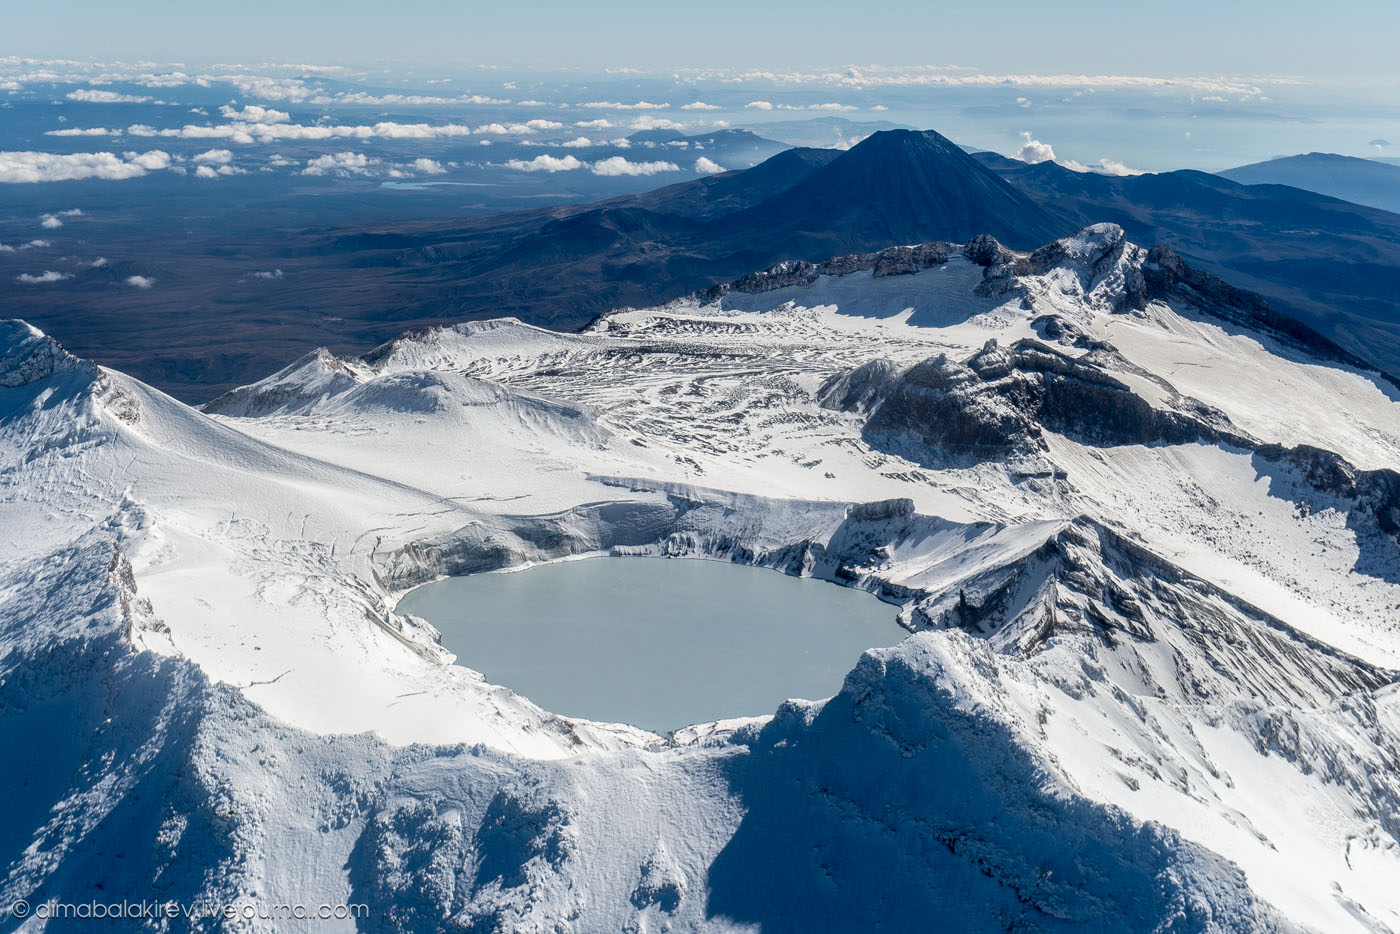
1348	178
1329	264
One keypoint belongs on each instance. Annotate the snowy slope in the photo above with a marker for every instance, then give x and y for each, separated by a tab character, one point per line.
1146	544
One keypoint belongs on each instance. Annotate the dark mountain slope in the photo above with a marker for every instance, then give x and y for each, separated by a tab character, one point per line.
899	186
1362	181
558	266
718	195
1332	264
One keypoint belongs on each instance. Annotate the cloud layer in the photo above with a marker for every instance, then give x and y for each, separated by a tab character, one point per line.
617	165
90	96
29	167
612	166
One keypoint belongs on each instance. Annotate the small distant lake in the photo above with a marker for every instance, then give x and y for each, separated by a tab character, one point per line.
659	643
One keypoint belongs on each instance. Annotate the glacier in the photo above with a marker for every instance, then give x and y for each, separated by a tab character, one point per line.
1143	535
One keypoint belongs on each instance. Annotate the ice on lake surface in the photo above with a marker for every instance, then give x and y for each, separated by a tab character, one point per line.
659	643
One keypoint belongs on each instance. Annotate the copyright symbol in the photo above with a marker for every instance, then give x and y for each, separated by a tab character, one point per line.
20	909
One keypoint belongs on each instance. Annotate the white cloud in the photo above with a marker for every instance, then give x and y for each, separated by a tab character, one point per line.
648	122
578	142
427	167
152	160
1114	167
89	96
698	105
617	165
544	125
708	166
341	163
205	171
545	163
403	100
266	274
269	89
1104	166
214	157
48	275
599	124
53	220
519	129
26	167
1023	101
98	263
254	113
6	248
140	282
955	76
1033	150
618	105
759	105
36	245
248	133
391	130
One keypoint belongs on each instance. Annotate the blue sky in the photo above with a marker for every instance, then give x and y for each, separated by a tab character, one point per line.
1349	39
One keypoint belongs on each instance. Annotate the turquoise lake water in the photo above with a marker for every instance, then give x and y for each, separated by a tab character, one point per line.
659	643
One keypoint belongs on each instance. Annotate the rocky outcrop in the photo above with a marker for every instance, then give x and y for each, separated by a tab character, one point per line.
858	390
894	261
28	355
997	402
294	389
1373	493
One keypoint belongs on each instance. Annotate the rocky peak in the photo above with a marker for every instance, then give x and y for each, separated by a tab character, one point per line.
28	355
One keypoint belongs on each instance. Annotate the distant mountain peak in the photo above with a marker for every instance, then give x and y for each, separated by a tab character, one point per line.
906	186
1350	178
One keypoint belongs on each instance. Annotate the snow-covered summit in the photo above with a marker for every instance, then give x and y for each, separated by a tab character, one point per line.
1144	534
28	354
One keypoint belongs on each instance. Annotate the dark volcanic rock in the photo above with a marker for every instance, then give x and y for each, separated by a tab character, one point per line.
997	402
893	261
897	186
857	390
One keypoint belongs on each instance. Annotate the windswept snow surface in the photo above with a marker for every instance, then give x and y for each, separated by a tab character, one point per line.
1147	553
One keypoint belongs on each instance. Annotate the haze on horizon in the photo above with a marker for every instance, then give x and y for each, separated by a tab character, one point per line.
1352	43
